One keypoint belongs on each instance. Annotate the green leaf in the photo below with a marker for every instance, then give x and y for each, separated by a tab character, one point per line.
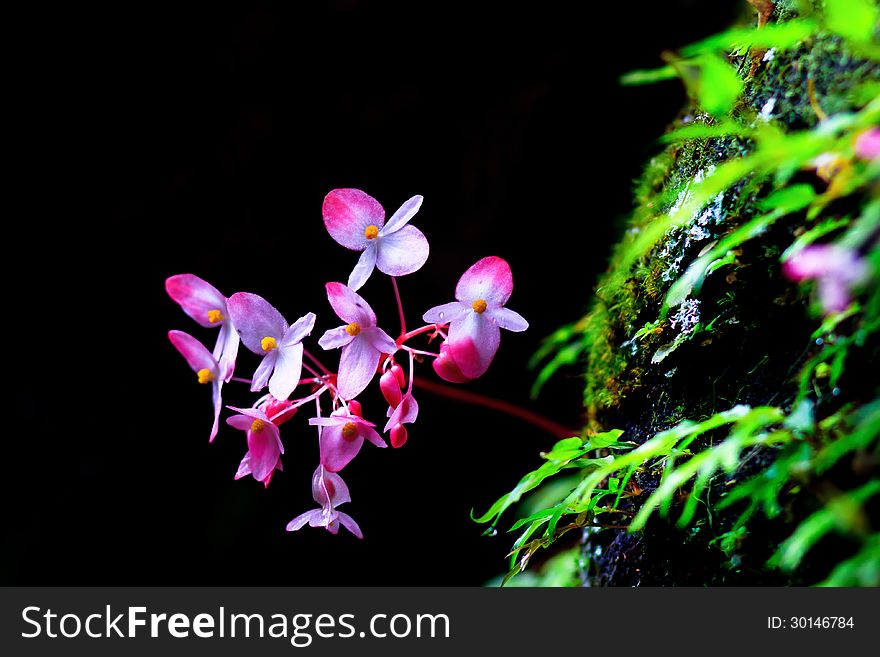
719	86
648	76
740	39
854	20
606	439
816	526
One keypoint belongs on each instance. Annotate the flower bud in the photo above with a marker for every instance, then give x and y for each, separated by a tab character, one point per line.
446	368
280	411
398	436
390	386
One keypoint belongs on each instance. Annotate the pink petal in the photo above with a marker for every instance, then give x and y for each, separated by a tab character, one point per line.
380	340
244	468
489	279
263	450
390	388
255	319
196	354
328	488
336	450
402	252
364	267
264	371
357	365
834	295
473	343
255	413
350	306
303	519
196	296
405	413
347	213
868	145
404	213
242	422
370	434
446	313
335	338
332	421
508	319
288	368
216	386
226	349
299	330
349	523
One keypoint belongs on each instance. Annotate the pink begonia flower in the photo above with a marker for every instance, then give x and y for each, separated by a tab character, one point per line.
868	145
279	411
362	342
477	317
837	271
264	444
357	221
342	436
265	332
206	367
329	491
406	413
204	303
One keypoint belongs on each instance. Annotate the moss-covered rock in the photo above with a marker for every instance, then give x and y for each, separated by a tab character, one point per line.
744	338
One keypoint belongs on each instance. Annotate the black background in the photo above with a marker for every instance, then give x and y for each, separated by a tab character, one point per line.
204	140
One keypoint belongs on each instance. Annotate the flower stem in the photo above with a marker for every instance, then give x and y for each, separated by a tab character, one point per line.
317	362
399	306
424	329
543	423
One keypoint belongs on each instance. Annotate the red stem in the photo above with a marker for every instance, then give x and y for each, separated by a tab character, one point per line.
543	423
399	306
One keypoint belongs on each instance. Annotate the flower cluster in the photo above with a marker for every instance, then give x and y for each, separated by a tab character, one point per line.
468	328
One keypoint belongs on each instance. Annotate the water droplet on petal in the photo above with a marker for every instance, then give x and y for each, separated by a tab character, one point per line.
441	316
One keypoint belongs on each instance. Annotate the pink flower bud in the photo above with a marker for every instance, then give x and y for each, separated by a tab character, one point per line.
397	370
446	368
280	411
390	387
398	436
355	407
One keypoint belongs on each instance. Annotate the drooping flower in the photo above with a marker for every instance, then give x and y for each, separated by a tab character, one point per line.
264	444
362	342
837	270
342	436
477	316
868	145
265	332
357	221
329	491
206	367
204	303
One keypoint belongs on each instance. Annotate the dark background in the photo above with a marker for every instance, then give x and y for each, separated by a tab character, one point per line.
204	140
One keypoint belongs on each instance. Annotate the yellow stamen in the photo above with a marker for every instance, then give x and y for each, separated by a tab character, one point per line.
479	306
215	316
257	426
371	232
205	375
349	430
353	329
268	343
